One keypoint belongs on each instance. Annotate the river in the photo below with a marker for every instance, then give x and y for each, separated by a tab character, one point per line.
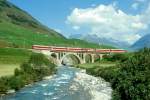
68	84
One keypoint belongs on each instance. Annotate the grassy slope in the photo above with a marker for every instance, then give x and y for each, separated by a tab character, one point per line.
11	58
19	29
8	69
13	14
14	35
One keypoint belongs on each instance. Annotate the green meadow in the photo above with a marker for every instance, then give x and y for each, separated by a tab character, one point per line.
11	58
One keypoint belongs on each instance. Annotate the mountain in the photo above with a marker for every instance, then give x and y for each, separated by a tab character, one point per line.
142	42
19	29
76	36
12	14
17	25
101	40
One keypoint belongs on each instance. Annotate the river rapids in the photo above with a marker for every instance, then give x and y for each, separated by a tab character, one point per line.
68	84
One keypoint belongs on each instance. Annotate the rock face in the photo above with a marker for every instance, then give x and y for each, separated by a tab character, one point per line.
99	89
141	43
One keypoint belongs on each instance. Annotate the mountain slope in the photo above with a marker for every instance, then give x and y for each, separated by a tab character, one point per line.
141	43
98	40
19	29
17	25
14	15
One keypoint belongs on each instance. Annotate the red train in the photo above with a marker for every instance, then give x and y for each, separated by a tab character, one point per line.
40	47
70	49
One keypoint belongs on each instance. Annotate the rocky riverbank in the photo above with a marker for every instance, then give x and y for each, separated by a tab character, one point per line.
98	87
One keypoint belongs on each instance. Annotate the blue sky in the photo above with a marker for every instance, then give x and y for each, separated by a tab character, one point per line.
64	16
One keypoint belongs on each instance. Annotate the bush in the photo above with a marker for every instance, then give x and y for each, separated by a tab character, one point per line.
108	73
17	72
26	68
133	79
16	82
4	85
38	60
117	57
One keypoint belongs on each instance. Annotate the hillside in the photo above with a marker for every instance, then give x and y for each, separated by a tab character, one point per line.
20	30
141	43
12	14
18	27
7	55
11	58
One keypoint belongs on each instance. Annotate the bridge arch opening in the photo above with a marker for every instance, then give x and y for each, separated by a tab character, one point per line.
88	58
70	59
53	58
54	55
96	58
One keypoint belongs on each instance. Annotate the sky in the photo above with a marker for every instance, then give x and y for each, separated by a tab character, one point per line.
123	20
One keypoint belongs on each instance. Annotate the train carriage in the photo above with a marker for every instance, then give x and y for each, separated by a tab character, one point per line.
103	50
75	50
59	49
118	51
40	47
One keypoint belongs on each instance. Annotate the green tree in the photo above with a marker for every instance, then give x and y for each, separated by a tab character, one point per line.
133	79
16	82
4	85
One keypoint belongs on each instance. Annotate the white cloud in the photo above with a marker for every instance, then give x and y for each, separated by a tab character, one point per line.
108	21
135	6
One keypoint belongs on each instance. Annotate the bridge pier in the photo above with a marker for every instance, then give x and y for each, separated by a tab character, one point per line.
101	56
92	58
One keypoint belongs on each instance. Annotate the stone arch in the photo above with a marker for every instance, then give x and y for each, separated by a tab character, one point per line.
69	54
88	58
54	55
54	58
96	58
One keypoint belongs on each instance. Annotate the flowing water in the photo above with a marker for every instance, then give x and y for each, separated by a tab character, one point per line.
68	84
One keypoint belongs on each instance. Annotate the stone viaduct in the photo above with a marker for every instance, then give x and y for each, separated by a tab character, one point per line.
82	54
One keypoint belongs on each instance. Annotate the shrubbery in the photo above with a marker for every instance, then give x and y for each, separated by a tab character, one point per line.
106	72
4	85
117	57
34	70
131	78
